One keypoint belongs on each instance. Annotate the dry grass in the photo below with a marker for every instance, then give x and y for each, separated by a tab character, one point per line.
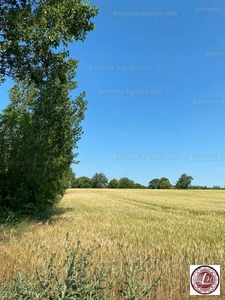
178	227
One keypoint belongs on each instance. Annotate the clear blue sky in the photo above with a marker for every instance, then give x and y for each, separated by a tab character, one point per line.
185	57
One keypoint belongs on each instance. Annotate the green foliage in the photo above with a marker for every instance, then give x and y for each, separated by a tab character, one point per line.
38	131
139	186
200	187
184	182
216	187
113	184
41	126
70	179
125	183
197	187
154	184
32	31
99	180
82	182
77	279
164	183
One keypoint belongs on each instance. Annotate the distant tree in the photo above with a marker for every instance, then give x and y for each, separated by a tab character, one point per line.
195	187
113	184
139	186
126	183
71	178
154	184
184	181
164	183
99	180
216	187
74	182
82	182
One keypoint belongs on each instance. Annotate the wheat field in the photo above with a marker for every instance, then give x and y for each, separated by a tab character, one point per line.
179	228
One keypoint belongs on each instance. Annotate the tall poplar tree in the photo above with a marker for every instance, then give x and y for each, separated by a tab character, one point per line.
40	127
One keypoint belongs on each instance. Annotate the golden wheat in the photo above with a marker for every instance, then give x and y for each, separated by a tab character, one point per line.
179	228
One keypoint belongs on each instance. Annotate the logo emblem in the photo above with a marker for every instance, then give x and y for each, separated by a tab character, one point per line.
205	280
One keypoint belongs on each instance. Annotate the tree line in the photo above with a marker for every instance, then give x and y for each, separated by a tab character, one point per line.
99	180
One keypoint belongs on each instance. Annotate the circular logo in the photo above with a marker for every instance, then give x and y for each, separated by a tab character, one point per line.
205	280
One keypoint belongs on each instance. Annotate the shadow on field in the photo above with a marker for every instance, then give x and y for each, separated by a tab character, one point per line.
16	223
54	215
13	217
51	213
